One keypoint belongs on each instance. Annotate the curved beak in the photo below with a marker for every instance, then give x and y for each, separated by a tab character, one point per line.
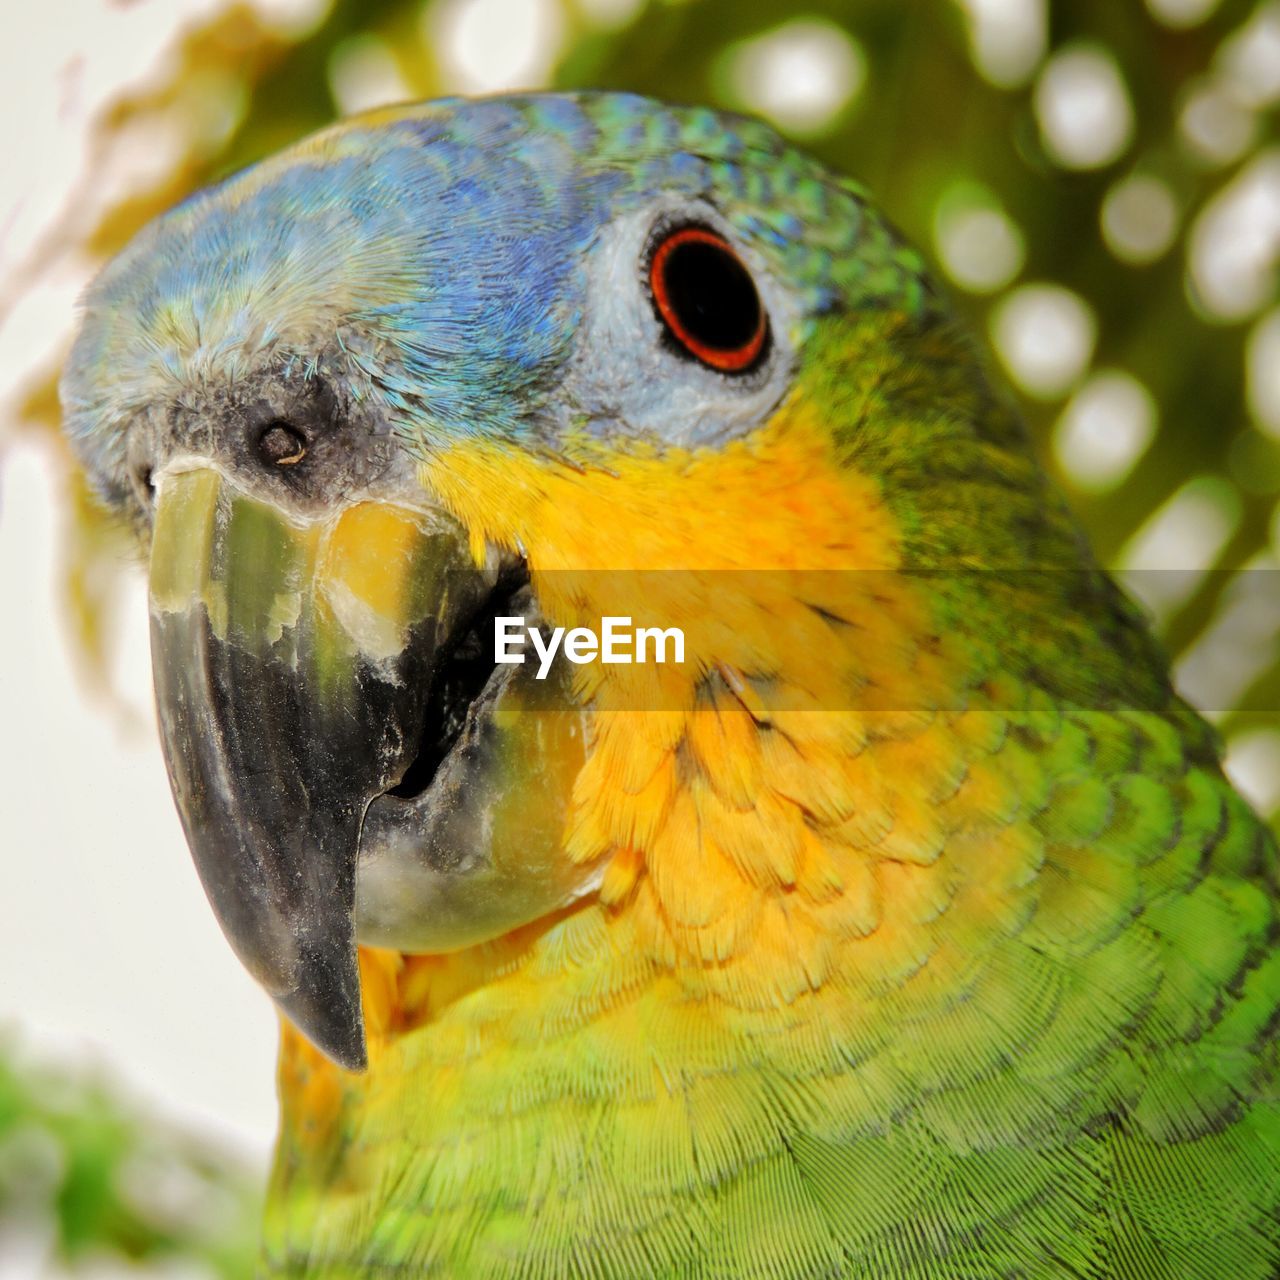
289	654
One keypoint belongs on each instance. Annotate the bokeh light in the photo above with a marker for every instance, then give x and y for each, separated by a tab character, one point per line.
364	73
485	46
1253	764
610	13
1262	375
1182	13
1105	429
1139	218
1216	125
1235	648
800	75
1083	107
1007	38
1235	242
978	243
1249	61
1045	335
1167	558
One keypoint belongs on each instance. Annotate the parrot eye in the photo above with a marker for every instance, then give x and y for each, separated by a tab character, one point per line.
281	444
707	300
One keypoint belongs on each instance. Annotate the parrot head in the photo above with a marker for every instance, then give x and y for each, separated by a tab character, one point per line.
417	371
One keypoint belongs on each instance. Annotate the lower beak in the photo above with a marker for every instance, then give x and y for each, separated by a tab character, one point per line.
288	652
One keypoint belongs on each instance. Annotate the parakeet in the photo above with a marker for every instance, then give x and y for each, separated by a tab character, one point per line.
904	926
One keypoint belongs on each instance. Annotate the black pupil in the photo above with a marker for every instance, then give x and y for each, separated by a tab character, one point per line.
712	295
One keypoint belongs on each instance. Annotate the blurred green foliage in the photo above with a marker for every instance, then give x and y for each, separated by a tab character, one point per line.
84	1175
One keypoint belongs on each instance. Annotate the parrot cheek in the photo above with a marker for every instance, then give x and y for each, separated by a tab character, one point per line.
292	659
479	851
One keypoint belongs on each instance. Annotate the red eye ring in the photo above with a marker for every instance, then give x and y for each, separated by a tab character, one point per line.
705	297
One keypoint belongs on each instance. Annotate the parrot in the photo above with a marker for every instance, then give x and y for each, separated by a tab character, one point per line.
900	921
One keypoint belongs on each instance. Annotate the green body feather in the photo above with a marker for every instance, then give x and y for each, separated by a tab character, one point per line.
1093	1088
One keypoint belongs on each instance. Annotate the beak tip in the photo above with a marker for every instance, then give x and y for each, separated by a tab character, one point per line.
353	1057
342	1042
330	1016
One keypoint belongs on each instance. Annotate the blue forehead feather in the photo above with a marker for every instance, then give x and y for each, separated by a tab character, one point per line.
439	251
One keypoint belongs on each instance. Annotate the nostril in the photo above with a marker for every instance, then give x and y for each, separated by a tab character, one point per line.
281	444
144	481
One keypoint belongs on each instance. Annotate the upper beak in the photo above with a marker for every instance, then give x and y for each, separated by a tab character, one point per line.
288	655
